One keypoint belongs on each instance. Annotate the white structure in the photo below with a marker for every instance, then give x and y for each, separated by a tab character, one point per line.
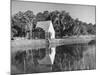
47	26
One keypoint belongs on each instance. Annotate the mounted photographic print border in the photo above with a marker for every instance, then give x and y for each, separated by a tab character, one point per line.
52	37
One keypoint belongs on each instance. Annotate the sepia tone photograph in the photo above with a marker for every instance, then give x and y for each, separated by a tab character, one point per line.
52	37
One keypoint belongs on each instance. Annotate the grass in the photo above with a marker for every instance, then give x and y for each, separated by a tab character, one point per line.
17	45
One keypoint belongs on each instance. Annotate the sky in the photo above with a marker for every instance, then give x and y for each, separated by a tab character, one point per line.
85	13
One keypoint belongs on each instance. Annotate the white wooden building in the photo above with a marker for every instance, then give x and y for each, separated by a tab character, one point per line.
47	26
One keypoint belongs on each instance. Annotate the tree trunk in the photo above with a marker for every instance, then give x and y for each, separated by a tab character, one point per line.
30	36
30	30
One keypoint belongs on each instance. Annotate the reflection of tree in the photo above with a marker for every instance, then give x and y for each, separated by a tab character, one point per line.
28	58
67	55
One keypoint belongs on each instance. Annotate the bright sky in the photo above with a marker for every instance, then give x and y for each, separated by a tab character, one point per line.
85	13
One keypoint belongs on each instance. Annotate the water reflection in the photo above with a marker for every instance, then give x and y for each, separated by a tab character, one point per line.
67	55
60	58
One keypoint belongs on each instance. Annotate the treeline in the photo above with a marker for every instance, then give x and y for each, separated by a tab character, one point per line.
63	23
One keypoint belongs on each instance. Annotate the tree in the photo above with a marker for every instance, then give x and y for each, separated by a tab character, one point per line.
55	18
13	33
91	29
18	24
29	19
39	16
24	22
46	14
66	20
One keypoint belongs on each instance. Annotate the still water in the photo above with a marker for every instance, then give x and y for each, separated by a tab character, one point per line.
60	58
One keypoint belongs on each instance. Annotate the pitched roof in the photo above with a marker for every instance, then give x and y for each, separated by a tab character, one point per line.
44	25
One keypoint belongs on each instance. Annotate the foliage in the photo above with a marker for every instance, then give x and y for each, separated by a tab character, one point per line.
39	33
63	23
23	22
43	16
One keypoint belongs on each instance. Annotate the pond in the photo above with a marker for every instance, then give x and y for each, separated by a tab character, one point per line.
67	58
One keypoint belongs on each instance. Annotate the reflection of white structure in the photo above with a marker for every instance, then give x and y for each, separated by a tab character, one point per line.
47	26
49	58
52	55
